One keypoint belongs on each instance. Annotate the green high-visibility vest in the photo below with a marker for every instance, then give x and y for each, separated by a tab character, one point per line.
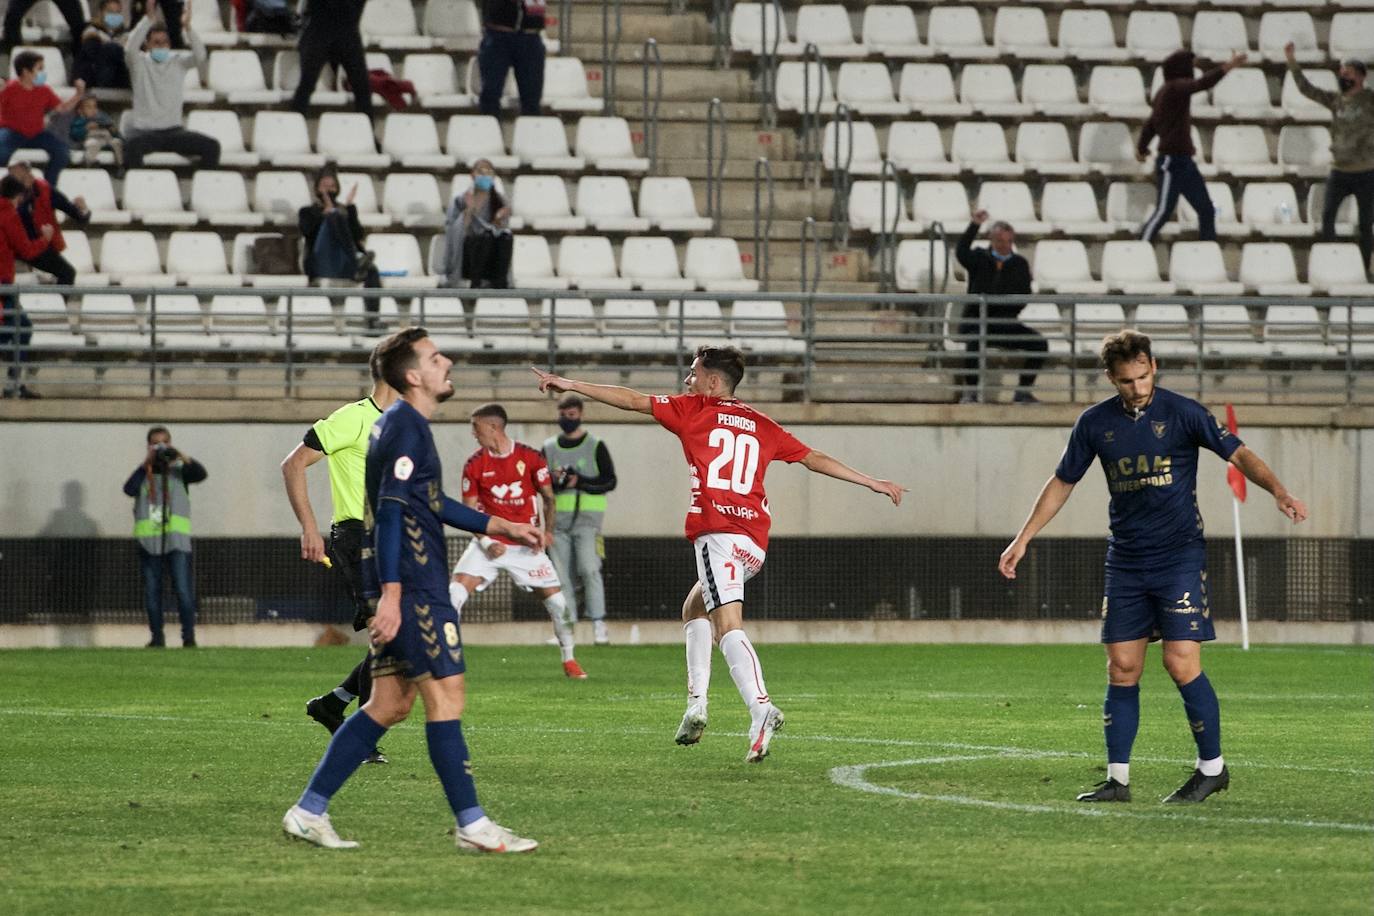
163	528
581	458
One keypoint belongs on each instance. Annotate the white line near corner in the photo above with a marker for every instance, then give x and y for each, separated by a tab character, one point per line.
856	777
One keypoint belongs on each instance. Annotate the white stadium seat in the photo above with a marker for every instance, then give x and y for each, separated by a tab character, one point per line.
1244	95
436	81
1118	92
224	126
1271	208
890	30
1276	29
286	77
914	257
413	140
991	91
153	196
1011	201
606	145
1337	269
756	25
856	151
413	199
540	142
1197	268
670	205
867	89
1268	269
1088	35
1223	202
197	259
1129	204
541	201
636	326
280	195
131	258
945	202
1153	34
804	86
1305	150
1228	331
574	325
1094	320
398	259
868	203
473	137
281	140
826	25
222	198
957	32
916	146
697	321
346	138
391	24
1052	91
929	89
1219	34
714	263
237	76
587	262
760	326
78	254
1169	328
1294	330
981	147
650	262
1108	147
1021	32
1298	106
565	86
364	199
1130	268
1061	266
606	205
531	264
94	185
457	22
1352	36
53	65
1043	146
1242	150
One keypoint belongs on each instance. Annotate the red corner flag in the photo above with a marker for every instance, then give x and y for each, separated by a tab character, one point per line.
1233	475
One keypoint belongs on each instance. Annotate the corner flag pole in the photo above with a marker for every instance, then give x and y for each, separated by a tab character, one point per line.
1236	480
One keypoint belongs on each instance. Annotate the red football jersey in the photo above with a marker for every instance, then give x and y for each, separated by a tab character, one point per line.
507	486
728	446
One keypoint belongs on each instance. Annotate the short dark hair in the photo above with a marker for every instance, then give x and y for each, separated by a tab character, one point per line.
491	410
25	61
155	30
396	356
570	401
1123	347
1354	63
374	363
11	187
725	361
154	430
1001	224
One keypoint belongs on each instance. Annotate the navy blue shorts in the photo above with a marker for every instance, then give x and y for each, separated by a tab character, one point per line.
1168	603
428	644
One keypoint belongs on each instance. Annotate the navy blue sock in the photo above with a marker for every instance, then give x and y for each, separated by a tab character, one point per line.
1120	720
351	744
449	754
1204	716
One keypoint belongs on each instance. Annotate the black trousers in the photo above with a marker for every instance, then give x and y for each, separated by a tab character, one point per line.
172	140
1178	176
101	64
486	260
498	53
345	52
52	262
346	541
1007	335
70	10
16	330
1340	185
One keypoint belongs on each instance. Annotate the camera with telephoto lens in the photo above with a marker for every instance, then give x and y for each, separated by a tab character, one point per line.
562	475
164	456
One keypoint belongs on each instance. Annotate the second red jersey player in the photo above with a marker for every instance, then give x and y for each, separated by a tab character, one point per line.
508	485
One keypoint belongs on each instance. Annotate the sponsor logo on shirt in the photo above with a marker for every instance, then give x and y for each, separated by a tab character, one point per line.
508	492
736	511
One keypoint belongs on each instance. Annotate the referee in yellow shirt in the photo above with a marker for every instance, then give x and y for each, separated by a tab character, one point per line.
343	437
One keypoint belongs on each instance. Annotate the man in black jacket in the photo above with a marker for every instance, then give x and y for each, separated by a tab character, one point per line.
996	271
511	38
330	34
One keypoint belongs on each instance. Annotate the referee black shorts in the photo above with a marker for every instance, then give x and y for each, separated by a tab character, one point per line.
346	540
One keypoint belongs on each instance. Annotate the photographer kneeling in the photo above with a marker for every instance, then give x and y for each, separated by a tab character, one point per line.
162	527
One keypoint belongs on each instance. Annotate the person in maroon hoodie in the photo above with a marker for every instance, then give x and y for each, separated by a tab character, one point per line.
15	327
1171	119
38	208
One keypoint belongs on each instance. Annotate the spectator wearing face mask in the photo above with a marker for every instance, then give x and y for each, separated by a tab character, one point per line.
24	105
99	58
997	271
158	75
477	238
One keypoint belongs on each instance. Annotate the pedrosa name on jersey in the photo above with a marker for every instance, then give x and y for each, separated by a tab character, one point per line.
737	511
729	419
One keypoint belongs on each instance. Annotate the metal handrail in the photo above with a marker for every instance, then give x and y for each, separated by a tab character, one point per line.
610	51
840	178
768	64
564	25
715	170
937	234
887	229
810	243
650	109
763	177
810	117
720	34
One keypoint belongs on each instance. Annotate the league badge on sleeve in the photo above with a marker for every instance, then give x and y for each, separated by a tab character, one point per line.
404	468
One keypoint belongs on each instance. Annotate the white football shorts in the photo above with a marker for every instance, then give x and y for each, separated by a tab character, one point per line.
528	568
724	563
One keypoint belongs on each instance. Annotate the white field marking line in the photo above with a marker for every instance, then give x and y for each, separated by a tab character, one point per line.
639	697
994	749
855	777
1312	650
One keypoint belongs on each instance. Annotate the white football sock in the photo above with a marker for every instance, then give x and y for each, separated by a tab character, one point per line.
1121	772
457	596
746	671
1211	767
697	633
562	625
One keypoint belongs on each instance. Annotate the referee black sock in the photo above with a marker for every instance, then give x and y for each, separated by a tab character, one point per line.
358	681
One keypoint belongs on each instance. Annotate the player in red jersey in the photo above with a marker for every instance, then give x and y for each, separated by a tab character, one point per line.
728	446
510	480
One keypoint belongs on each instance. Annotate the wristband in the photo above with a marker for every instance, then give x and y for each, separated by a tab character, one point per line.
485	543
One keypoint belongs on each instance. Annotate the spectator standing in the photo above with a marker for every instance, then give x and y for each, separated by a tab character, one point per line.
38	209
162	527
582	476
330	34
15	328
99	58
158	75
997	271
477	237
71	11
1171	119
24	104
334	237
511	37
1352	145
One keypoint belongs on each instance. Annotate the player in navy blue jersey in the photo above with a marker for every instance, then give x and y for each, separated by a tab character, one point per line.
416	646
1147	440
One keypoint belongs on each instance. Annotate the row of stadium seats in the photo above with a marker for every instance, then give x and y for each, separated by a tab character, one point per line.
250	322
1023	32
1046	147
133	258
1268	209
1062	266
153	197
237	77
991	90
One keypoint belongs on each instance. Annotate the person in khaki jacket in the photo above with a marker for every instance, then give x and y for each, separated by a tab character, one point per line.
1352	145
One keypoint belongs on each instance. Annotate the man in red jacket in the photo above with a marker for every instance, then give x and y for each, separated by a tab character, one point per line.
15	328
37	208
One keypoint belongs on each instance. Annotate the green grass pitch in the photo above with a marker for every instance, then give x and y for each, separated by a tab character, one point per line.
909	779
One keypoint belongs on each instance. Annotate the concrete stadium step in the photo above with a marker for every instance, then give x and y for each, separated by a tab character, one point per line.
682	83
737	202
636	24
736	169
736	112
688	141
784	230
630	53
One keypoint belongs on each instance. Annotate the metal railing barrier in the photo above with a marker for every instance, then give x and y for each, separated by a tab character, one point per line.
652	63
840	179
763	221
610	53
716	130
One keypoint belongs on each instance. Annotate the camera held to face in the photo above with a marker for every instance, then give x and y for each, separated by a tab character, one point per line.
164	456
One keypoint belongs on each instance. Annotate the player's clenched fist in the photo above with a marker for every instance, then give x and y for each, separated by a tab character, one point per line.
387	621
